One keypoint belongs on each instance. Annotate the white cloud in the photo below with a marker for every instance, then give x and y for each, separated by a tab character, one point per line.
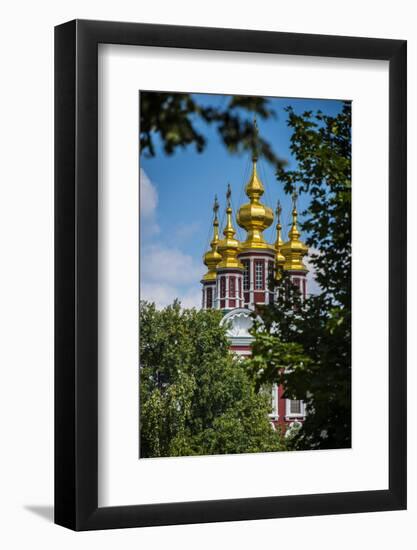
163	294
186	230
192	298
312	285
167	274
148	205
162	264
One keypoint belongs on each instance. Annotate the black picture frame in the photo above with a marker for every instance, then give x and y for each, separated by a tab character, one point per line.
76	272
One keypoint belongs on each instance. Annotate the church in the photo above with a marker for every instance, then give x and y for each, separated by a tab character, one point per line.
242	275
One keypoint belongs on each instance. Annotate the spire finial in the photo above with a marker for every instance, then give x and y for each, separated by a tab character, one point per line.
294	250
215	207
278	211
294	199
228	195
254	216
279	257
294	231
212	257
228	230
256	131
229	246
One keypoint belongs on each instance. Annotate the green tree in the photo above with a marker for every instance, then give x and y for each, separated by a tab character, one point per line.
306	344
178	118
195	397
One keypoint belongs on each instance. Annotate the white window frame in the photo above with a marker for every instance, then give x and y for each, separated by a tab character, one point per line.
274	414
246	275
259	276
289	414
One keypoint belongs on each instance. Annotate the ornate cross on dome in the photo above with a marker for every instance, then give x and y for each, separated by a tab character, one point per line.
255	124
215	206
256	141
228	195
278	211
294	198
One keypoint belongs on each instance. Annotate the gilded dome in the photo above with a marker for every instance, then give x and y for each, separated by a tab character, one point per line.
294	250
279	257
212	257
254	216
229	246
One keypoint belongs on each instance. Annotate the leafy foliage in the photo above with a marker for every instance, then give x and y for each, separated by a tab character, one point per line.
306	344
175	118
321	145
195	397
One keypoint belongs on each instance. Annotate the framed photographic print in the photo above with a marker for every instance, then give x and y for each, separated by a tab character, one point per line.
230	338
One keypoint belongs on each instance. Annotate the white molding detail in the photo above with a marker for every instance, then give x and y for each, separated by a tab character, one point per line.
239	322
274	414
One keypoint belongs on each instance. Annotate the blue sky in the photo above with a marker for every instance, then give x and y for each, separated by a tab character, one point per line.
177	194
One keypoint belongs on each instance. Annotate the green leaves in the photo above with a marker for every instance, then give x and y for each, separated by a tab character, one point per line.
322	147
177	119
195	397
307	347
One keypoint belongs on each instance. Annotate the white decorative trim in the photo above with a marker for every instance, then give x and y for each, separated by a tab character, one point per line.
240	322
274	415
251	303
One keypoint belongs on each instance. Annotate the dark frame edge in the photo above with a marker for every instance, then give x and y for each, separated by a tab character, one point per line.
65	258
118	517
398	273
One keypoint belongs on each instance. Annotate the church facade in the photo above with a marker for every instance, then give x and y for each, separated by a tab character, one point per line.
242	275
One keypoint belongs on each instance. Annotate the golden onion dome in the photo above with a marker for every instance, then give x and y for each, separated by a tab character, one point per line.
254	216
279	257
229	246
212	258
294	250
